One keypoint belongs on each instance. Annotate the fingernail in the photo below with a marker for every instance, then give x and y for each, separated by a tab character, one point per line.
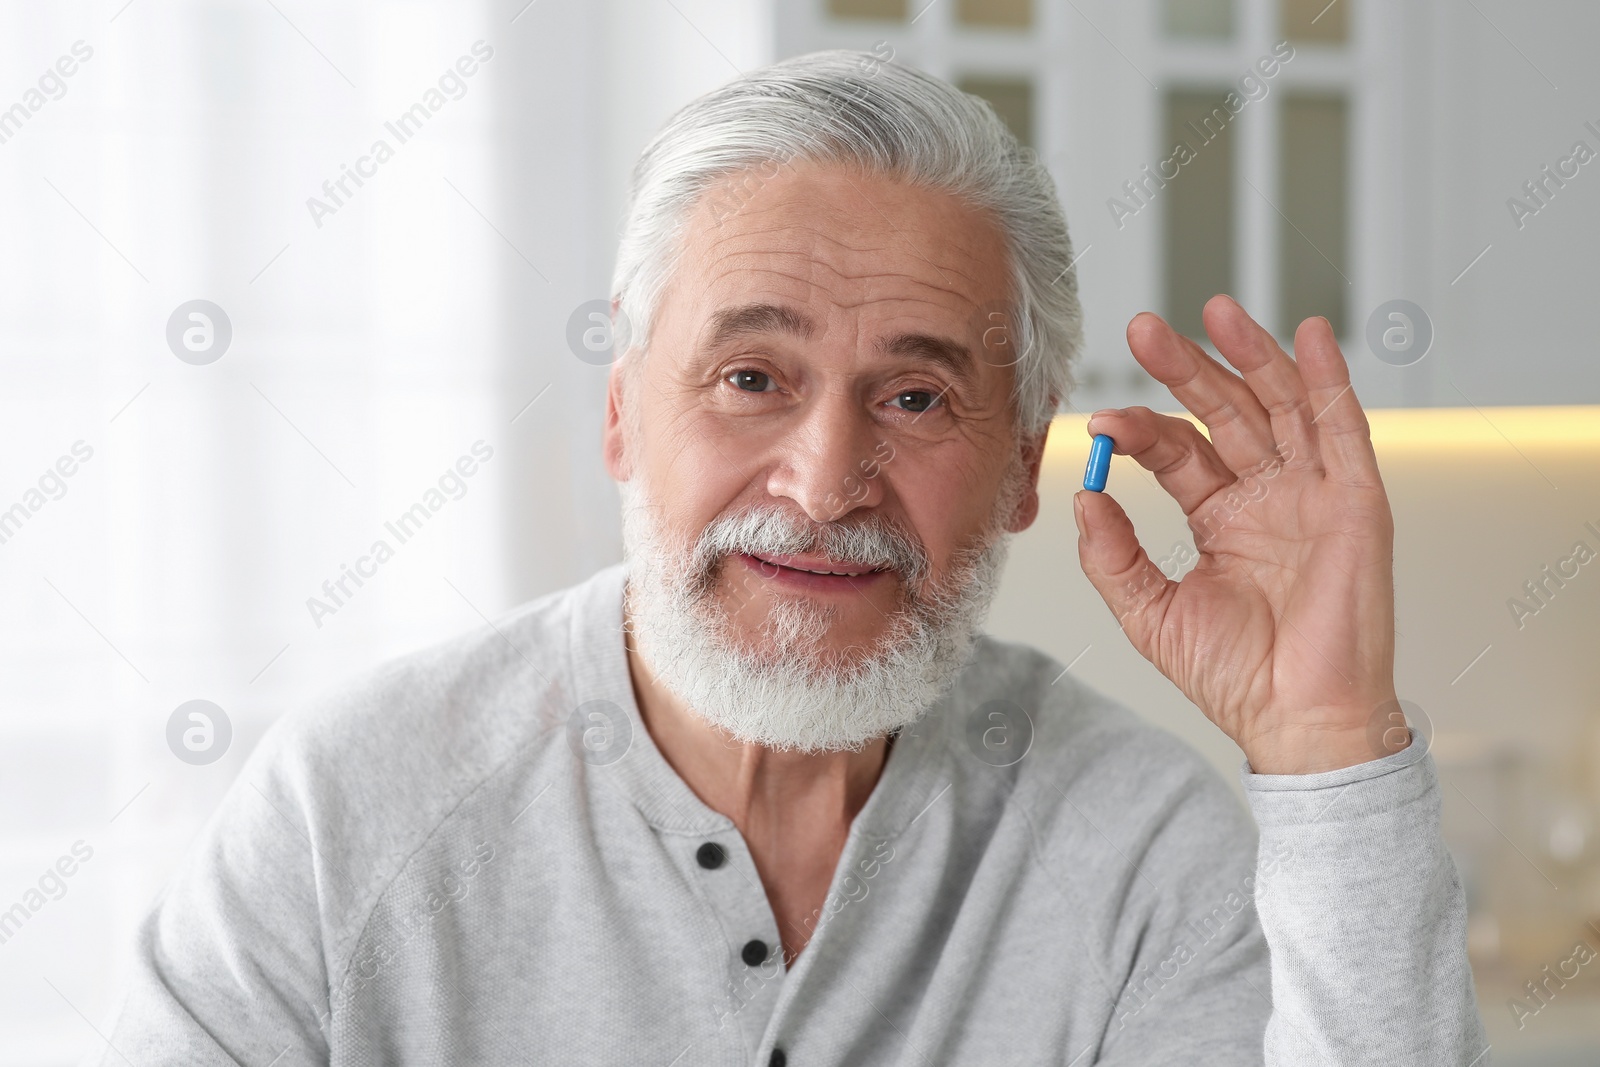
1077	513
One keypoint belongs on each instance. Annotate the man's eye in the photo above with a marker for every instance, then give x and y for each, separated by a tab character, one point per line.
751	381
915	400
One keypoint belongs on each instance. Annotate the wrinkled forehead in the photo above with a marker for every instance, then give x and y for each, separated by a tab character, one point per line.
826	236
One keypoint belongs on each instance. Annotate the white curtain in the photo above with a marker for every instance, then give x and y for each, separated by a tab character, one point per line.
176	529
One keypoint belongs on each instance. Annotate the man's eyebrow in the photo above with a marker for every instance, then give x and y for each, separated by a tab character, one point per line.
732	323
955	358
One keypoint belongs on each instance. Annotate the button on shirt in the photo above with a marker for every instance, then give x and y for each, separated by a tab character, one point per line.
477	855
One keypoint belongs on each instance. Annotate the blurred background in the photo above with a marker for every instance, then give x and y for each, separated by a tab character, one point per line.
269	269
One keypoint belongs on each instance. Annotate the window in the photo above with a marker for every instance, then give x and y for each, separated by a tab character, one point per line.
1197	18
1198	242
1008	14
867	9
1312	251
1012	99
1316	21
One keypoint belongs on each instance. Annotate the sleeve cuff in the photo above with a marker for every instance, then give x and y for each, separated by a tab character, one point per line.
1349	793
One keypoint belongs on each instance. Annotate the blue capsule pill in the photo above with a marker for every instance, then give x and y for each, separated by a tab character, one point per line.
1094	475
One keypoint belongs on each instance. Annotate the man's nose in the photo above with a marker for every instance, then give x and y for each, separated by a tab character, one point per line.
829	463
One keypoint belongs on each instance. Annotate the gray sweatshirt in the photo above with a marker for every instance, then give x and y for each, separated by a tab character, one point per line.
477	855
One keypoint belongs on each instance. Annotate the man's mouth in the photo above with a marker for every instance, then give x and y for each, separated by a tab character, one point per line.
814	572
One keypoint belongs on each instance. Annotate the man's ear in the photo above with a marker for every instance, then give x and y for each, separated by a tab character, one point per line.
1027	508
613	441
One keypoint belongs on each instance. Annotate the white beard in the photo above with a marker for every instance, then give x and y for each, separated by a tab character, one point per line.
779	686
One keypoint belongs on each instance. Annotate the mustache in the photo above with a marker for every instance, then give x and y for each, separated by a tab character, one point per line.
873	541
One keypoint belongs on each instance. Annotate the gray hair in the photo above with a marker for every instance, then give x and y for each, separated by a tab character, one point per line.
860	110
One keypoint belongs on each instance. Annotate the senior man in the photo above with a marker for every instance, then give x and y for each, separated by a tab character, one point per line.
763	794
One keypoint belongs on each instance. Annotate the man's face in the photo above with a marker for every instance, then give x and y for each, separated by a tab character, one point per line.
822	350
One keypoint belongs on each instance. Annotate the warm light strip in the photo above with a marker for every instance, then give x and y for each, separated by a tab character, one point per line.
1418	429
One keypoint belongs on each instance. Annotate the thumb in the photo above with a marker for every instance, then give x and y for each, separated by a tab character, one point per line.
1119	568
